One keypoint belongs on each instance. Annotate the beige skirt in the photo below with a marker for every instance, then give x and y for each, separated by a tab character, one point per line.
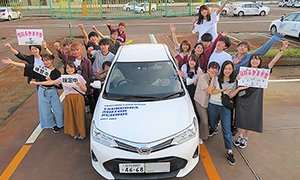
74	115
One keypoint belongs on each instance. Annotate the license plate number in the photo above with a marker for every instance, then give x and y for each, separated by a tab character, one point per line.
132	168
145	167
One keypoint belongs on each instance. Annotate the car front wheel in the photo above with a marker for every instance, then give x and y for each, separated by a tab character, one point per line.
128	9
273	30
263	13
9	18
224	12
241	13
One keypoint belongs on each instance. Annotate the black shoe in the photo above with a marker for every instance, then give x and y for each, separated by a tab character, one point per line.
234	130
243	143
238	141
55	129
212	133
230	158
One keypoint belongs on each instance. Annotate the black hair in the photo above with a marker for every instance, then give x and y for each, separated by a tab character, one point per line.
200	17
113	31
199	43
104	41
106	63
192	57
226	40
221	76
256	56
246	43
93	33
37	46
67	41
50	56
206	37
71	64
214	65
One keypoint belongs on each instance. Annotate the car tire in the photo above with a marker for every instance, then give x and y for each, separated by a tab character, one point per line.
273	29
9	18
240	14
153	9
299	37
284	5
262	13
127	9
224	12
19	16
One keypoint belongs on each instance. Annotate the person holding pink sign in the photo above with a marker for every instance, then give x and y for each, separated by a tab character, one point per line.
74	115
249	103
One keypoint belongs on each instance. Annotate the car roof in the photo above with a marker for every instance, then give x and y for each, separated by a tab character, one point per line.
143	52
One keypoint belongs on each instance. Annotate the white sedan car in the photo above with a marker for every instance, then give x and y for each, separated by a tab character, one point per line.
250	9
290	25
144	125
9	13
129	6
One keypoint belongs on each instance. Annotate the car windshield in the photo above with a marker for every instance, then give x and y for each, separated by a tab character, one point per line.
143	81
2	10
141	5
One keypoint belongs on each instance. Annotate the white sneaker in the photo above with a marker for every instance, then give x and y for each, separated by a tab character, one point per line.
200	141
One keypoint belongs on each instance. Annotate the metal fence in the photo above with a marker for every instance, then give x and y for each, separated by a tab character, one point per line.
106	9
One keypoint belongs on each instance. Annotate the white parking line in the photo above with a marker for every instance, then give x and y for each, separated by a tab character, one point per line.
35	134
152	38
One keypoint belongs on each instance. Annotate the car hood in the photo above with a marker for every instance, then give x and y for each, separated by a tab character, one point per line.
144	122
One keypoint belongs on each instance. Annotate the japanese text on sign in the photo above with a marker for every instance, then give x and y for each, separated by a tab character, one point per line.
69	80
30	36
254	77
42	70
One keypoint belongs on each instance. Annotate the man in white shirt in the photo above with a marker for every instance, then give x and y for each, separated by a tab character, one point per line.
219	55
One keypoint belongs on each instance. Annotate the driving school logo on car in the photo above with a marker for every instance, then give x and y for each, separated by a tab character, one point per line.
111	112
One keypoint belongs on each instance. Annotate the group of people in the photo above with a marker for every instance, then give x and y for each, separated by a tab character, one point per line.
100	52
210	73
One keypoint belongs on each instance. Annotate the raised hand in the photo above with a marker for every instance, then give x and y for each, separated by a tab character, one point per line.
172	27
80	26
7	61
57	45
8	45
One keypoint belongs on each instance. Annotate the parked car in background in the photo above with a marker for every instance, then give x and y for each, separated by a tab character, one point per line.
129	6
9	13
290	25
144	125
145	7
290	3
250	9
297	4
283	3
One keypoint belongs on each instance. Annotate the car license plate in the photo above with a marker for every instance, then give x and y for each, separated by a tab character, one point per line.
132	168
144	167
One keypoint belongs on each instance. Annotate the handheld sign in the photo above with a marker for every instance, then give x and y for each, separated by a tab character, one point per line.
254	77
30	36
69	80
42	70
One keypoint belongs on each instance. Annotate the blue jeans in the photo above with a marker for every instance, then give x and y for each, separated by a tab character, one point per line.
216	111
48	99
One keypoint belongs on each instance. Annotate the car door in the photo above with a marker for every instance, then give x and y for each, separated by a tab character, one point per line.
295	26
247	9
287	24
254	9
14	14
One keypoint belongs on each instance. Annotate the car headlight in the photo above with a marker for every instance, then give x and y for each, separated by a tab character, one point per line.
102	137
186	134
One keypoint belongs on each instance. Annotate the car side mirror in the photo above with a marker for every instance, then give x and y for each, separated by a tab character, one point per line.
281	18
